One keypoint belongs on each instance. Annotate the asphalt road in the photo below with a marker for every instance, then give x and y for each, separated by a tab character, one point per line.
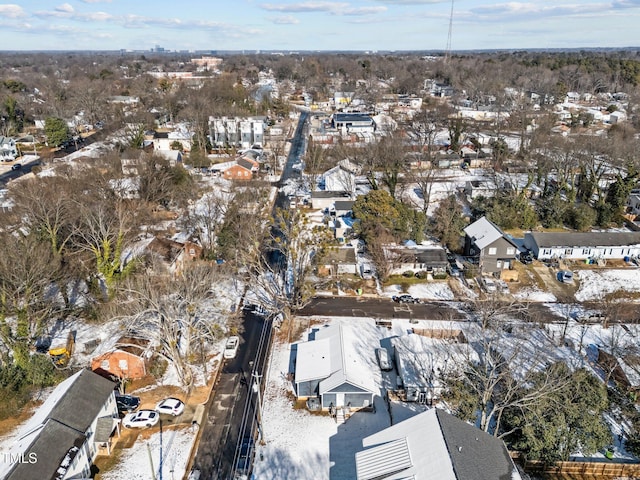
383	308
233	402
9	175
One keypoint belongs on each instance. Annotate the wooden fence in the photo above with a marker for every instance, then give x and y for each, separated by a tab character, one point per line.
604	469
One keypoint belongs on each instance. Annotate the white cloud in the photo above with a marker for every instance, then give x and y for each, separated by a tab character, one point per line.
65	7
364	10
96	1
334	8
305	7
285	20
11	11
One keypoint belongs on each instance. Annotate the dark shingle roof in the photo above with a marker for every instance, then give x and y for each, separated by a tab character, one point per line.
82	402
55	446
344	204
475	455
435	257
585	239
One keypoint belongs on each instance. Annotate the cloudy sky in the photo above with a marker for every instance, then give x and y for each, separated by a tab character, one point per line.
317	24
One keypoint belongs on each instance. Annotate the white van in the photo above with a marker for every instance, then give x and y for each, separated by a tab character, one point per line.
383	359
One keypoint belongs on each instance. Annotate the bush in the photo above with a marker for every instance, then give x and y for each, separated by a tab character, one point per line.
422	274
440	276
408	274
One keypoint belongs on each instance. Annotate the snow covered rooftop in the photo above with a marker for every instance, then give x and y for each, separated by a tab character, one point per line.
483	232
327	359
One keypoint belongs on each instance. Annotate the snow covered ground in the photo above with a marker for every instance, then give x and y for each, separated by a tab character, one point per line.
596	284
299	444
135	463
530	294
424	291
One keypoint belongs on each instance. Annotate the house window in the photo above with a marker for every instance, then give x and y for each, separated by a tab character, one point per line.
568	251
546	251
511	251
104	365
493	251
586	251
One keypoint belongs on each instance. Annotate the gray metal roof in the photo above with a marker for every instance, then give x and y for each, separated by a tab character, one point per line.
383	460
440	447
585	239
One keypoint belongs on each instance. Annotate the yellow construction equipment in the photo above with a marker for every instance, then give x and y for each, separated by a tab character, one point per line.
61	355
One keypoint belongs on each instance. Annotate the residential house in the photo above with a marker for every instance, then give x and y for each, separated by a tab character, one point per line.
633	202
424	358
249	163
326	369
174	157
120	363
343	207
174	255
342	228
434	445
325	199
341	178
67	432
349	123
583	245
8	149
167	140
236	171
489	247
479	188
417	259
342	99
339	261
236	132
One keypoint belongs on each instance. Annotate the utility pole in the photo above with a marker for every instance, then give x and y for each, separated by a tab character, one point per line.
256	389
447	52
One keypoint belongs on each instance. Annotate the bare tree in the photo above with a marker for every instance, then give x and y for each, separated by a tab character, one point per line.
170	315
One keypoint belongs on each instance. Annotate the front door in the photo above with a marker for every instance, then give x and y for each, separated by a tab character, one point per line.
339	399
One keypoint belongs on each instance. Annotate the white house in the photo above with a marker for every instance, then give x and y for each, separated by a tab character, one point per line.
341	178
434	445
67	432
583	245
8	149
326	369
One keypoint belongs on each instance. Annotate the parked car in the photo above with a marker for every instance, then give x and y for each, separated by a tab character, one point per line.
405	298
382	355
243	466
526	258
231	347
16	166
565	276
170	406
127	403
141	419
489	284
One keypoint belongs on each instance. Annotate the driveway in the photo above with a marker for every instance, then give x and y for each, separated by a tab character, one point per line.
564	292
